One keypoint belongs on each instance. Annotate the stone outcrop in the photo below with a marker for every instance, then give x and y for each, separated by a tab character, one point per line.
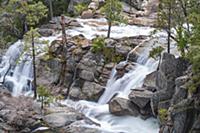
87	72
135	3
121	107
15	117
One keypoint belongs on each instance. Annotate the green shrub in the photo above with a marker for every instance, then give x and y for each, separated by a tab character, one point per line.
80	8
162	113
44	96
98	45
109	53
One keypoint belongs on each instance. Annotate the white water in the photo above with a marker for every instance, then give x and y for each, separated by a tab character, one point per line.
20	76
93	27
98	112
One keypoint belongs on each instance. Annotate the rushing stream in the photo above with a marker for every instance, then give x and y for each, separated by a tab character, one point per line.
19	78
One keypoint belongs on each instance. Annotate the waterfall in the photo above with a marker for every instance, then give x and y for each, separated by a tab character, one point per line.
19	66
20	76
129	81
99	112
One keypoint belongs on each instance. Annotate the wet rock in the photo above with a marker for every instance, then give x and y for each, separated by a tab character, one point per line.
121	107
87	14
146	112
9	85
73	128
61	119
140	97
74	23
149	81
120	68
46	32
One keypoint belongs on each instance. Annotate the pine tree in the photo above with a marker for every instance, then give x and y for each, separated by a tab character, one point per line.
112	10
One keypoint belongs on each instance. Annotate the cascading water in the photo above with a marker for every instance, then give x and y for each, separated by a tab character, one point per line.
20	77
99	112
16	71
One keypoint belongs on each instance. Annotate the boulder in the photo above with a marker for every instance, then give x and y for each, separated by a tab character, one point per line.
94	5
135	3
46	32
15	117
76	94
87	75
150	81
62	119
121	107
92	90
121	69
73	128
140	97
87	14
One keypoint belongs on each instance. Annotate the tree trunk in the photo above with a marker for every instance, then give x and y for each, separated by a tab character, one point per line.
42	102
51	9
25	27
63	53
109	28
34	67
4	76
159	62
130	10
169	28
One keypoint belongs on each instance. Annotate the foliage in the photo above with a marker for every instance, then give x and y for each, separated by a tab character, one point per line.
162	113
80	8
194	54
109	53
174	17
32	12
156	52
98	44
18	16
45	95
112	10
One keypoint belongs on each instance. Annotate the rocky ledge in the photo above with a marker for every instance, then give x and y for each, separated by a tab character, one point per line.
24	115
164	95
87	72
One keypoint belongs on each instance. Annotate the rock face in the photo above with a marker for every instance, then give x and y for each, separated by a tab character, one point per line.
87	14
120	107
171	94
58	117
87	72
140	97
15	117
170	69
135	3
